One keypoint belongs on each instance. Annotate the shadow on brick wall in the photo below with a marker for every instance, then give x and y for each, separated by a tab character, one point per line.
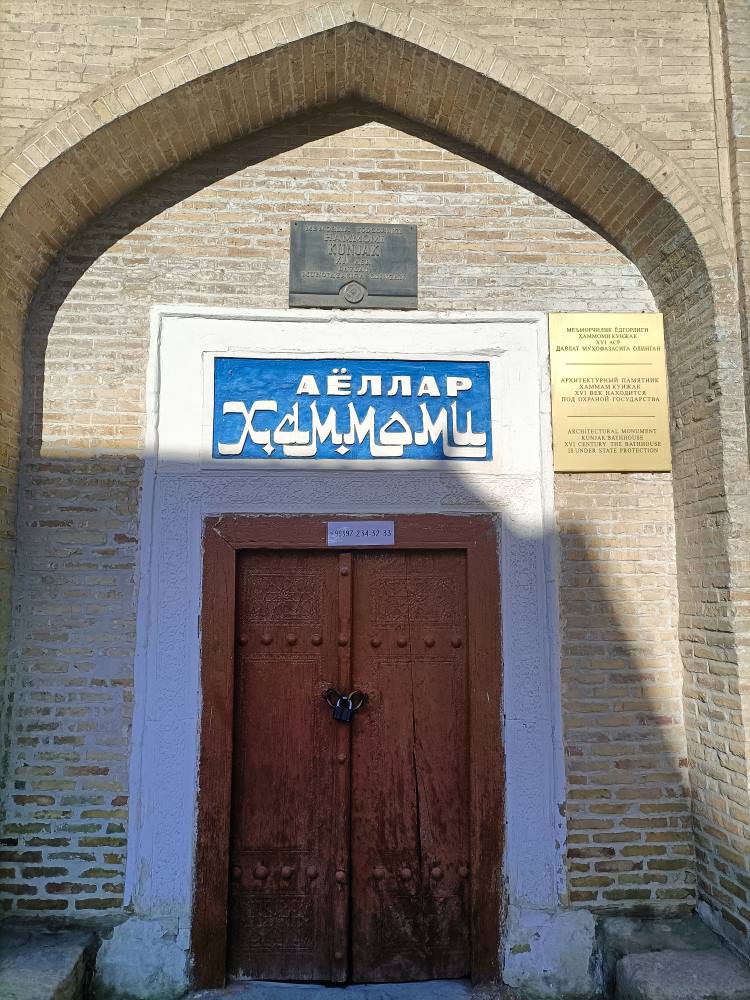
203	234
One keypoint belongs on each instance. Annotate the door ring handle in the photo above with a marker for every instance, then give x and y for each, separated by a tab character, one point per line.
357	699
332	696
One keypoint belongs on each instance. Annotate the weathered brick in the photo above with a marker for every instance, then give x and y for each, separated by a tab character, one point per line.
102	903
42	905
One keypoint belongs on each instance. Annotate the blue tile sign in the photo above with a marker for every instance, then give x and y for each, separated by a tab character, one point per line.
351	409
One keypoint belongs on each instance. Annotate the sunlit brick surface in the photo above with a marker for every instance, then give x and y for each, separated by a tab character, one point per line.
636	118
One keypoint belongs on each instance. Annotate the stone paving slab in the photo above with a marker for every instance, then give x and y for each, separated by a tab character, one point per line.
710	974
37	963
442	990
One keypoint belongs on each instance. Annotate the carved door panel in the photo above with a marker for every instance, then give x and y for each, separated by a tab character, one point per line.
349	845
288	913
410	768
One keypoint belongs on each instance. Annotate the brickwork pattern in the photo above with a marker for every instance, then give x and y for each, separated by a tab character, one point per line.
630	838
216	232
224	86
646	60
736	37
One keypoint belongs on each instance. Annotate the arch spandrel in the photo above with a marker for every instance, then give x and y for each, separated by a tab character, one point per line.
308	56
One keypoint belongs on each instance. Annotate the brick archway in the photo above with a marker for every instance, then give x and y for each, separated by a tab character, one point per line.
258	73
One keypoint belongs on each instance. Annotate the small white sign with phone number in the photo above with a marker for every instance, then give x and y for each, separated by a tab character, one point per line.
361	533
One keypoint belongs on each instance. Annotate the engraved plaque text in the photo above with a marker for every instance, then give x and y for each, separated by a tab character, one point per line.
348	265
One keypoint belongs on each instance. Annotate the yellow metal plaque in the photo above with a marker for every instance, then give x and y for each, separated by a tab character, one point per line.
610	409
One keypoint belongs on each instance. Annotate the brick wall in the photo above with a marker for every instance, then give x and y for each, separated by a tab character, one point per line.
630	832
216	232
648	61
735	16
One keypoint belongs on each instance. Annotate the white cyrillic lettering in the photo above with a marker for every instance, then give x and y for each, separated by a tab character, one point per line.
292	436
339	383
386	439
326	428
467	443
428	386
432	429
467	438
361	429
376	381
262	438
321	431
395	438
456	385
308	386
405	385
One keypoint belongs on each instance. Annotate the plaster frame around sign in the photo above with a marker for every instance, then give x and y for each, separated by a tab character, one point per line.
180	491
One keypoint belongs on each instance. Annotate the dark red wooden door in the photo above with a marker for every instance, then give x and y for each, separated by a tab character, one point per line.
350	843
288	901
410	795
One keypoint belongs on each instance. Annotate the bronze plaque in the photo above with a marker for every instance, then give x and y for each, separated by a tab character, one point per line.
350	265
610	406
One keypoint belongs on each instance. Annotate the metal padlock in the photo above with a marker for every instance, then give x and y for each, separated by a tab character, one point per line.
344	705
342	710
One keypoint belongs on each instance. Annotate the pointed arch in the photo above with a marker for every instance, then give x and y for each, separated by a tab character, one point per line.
255	74
237	81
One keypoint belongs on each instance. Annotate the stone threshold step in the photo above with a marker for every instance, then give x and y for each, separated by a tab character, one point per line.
38	963
435	990
708	974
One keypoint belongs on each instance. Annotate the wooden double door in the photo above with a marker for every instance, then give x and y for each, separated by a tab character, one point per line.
350	853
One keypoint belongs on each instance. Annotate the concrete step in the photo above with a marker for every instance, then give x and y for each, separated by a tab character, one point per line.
708	974
38	963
